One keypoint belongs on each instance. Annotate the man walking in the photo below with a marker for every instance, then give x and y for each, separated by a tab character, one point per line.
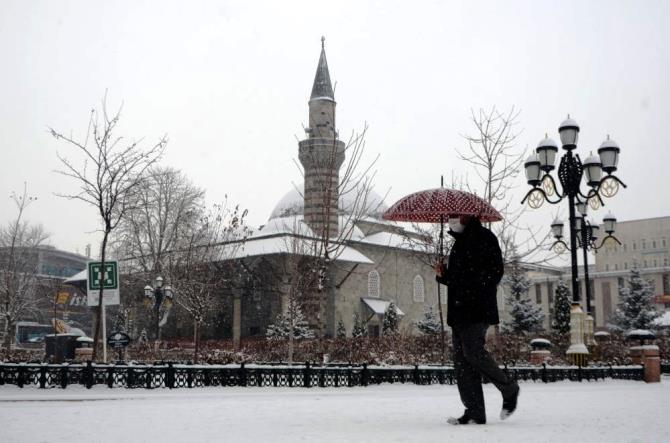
474	271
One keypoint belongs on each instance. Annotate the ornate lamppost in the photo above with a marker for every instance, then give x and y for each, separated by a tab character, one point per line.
158	296
587	240
571	170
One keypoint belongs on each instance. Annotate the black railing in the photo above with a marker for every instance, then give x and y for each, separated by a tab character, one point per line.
169	375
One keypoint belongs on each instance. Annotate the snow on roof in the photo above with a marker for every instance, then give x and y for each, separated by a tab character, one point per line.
295	224
79	276
379	306
663	320
293	203
540	340
292	224
639	332
292	244
392	240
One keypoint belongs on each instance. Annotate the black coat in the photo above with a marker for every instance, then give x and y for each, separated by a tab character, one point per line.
475	269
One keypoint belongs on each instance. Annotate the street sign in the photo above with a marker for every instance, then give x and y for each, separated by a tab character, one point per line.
118	339
109	280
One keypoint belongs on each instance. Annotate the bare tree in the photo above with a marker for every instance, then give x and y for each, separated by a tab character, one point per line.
199	270
497	161
19	241
165	205
109	176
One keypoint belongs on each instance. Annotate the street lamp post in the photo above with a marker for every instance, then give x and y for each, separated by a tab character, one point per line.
571	170
587	239
158	296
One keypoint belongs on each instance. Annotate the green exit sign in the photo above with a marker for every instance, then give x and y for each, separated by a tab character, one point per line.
107	279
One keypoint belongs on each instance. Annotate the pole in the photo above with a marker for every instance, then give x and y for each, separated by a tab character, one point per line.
587	283
577	352
104	333
55	301
439	298
573	250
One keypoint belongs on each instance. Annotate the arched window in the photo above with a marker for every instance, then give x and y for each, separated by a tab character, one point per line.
373	284
419	293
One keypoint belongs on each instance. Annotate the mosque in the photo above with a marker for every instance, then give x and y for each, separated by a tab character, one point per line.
375	262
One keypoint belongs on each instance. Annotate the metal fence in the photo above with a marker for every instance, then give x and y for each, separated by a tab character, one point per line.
169	375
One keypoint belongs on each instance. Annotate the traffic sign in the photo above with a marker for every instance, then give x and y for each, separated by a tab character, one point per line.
109	280
118	339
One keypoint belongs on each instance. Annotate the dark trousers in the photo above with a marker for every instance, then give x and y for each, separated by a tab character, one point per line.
471	361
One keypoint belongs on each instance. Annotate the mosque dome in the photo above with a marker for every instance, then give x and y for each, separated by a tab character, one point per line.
293	203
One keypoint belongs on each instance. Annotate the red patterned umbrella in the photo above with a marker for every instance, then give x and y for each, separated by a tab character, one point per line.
436	205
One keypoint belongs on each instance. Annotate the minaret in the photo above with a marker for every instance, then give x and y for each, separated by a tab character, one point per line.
321	155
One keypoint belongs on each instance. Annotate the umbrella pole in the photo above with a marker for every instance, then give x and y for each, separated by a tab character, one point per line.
439	299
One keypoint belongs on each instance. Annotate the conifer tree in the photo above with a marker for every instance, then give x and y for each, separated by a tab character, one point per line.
280	330
430	323
525	315
635	309
390	323
561	321
359	327
341	330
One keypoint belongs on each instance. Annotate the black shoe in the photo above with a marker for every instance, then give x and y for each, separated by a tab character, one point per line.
466	420
509	405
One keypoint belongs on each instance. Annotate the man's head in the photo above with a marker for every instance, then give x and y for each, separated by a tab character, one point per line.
458	222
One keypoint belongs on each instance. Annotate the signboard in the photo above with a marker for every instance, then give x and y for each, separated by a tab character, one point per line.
62	298
109	280
118	339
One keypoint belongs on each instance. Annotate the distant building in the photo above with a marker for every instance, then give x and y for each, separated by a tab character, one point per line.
50	263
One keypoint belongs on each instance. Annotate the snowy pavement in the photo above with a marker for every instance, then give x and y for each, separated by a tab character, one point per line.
610	411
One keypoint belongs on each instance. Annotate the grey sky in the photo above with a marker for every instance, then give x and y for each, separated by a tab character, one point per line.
229	83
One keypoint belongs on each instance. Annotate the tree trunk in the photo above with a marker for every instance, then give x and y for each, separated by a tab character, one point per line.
196	340
9	337
98	313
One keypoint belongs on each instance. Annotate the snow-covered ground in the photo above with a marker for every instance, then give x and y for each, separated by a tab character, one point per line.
610	411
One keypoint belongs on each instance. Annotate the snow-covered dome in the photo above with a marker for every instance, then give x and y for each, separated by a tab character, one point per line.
293	203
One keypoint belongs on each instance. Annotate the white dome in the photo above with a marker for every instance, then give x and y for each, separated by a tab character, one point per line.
293	204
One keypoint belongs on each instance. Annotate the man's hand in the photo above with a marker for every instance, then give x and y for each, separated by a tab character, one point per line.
439	268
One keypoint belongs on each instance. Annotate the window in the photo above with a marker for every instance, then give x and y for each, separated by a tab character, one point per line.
373	284
607	266
616	266
550	293
653	244
655	263
625	265
625	247
664	243
419	293
644	244
665	261
538	293
620	282
634	246
645	263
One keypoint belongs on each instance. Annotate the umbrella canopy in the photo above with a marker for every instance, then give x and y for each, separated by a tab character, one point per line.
436	205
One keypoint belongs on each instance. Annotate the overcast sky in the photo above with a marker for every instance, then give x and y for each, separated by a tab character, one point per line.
229	81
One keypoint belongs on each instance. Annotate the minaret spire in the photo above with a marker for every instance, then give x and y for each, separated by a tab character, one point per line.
322	87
